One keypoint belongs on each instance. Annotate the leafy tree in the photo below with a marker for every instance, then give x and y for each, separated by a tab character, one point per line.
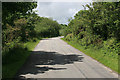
16	10
47	27
96	26
15	20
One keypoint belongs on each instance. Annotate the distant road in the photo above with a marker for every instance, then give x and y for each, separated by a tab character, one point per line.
54	58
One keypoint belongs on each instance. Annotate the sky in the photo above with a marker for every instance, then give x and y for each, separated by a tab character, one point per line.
59	11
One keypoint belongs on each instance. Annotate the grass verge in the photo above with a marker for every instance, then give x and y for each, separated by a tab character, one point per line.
105	59
15	58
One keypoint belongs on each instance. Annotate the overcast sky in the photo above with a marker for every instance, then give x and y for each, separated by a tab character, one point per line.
59	11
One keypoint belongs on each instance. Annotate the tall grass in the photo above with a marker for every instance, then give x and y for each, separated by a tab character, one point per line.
16	57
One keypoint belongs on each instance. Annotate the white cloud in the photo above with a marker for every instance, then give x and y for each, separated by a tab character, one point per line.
59	11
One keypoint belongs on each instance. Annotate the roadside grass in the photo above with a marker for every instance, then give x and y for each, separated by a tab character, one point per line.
97	54
15	58
31	45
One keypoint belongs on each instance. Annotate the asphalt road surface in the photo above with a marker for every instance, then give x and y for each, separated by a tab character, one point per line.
54	58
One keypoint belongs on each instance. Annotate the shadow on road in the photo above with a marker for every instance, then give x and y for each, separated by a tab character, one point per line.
38	61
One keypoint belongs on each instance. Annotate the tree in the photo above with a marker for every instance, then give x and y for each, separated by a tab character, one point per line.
16	10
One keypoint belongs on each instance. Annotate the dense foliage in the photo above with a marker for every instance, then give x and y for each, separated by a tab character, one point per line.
46	27
97	28
21	25
16	23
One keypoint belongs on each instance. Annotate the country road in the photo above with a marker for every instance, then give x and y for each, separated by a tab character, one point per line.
54	58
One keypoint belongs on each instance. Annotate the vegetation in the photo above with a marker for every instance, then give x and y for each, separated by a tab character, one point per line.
96	32
21	31
47	27
15	58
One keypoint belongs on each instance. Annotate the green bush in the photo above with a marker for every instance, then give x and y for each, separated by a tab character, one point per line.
113	45
69	37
